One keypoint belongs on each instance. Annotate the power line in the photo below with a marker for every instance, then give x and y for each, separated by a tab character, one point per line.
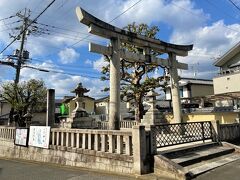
63	3
27	26
60	28
201	17
63	65
7	18
61	72
125	11
221	10
109	22
14	22
87	37
234	4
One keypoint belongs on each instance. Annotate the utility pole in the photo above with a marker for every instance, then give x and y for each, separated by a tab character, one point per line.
20	53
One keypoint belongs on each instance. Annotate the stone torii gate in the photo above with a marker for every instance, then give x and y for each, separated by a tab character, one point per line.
118	36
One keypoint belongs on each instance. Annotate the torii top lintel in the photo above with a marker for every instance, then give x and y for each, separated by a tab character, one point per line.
103	29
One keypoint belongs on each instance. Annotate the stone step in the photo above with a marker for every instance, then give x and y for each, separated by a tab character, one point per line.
201	155
178	152
207	166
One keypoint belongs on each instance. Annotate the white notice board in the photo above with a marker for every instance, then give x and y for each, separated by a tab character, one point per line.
39	136
21	136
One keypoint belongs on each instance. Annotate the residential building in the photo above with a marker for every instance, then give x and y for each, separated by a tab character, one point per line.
228	79
38	117
227	82
102	108
191	88
87	103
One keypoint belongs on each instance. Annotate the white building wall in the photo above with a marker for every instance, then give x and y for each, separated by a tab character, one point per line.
186	93
227	83
168	94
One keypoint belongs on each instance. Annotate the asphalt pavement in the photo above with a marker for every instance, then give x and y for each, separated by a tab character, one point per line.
11	169
229	171
28	170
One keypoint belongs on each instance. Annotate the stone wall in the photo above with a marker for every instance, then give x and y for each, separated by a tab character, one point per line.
71	157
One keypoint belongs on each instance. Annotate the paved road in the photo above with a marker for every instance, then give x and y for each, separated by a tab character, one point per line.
230	171
26	170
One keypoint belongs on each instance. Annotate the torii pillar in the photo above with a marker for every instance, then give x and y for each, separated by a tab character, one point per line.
114	102
176	103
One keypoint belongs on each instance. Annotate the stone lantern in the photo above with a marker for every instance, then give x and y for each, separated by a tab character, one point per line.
79	111
79	117
152	116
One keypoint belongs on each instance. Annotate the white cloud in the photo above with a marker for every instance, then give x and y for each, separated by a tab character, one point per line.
68	55
98	64
88	62
209	42
186	23
62	83
172	13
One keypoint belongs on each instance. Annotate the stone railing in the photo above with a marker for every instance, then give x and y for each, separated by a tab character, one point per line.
111	150
229	132
128	124
102	124
109	141
123	124
7	133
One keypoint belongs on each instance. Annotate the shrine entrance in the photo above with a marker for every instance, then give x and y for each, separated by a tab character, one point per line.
148	45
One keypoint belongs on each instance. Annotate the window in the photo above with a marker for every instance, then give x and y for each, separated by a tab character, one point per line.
83	105
181	92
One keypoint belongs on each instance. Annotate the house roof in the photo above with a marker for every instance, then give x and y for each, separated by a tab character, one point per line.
66	99
185	81
102	99
228	55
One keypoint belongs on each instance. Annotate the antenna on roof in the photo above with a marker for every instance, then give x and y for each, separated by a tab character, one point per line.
195	69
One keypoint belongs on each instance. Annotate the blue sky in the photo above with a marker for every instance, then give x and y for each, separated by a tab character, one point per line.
211	25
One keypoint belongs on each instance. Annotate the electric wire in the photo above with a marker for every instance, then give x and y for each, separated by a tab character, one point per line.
234	4
221	10
87	37
7	18
34	20
201	17
61	72
116	17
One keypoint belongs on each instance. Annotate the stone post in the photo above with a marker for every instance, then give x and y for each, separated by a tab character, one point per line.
50	119
114	101
152	139
176	104
216	130
139	150
152	116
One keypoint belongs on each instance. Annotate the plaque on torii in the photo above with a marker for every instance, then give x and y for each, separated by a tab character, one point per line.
118	36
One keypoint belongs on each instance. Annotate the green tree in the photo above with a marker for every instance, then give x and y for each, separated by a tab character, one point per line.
135	80
25	96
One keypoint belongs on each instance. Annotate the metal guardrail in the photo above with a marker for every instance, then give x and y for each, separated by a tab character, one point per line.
229	132
4	116
180	133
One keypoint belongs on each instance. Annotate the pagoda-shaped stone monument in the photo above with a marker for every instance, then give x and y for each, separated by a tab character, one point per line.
79	117
152	116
